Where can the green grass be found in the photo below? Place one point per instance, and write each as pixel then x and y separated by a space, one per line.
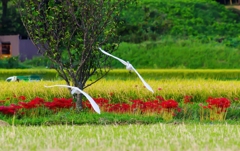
pixel 123 74
pixel 157 137
pixel 178 54
pixel 84 117
pixel 45 74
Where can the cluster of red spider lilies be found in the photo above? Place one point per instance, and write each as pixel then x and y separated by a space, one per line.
pixel 165 108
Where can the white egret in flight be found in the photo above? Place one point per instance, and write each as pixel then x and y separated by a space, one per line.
pixel 78 91
pixel 128 67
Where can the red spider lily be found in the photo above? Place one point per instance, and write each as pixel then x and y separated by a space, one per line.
pixel 179 109
pixel 137 104
pixel 59 103
pixel 86 104
pixel 217 108
pixel 169 104
pixel 101 101
pixel 113 108
pixel 137 101
pixel 125 108
pixel 118 108
pixel 33 103
pixel 22 98
pixel 151 106
pixel 50 105
pixel 221 103
pixel 17 107
pixel 160 98
pixel 187 99
pixel 9 110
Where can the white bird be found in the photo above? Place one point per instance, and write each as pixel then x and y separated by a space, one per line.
pixel 129 67
pixel 78 91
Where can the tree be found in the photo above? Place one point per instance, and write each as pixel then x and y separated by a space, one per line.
pixel 10 22
pixel 69 33
pixel 4 9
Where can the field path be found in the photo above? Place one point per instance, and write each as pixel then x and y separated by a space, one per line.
pixel 234 6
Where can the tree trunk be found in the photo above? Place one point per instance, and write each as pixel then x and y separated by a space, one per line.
pixel 230 2
pixel 79 105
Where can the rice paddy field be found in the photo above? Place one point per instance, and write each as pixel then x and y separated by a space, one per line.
pixel 157 137
pixel 152 135
pixel 122 90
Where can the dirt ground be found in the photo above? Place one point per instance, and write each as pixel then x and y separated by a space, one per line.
pixel 237 7
pixel 234 6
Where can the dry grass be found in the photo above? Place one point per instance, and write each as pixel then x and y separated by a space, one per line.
pixel 3 123
pixel 122 138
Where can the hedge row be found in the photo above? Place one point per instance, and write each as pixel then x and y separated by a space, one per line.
pixel 154 74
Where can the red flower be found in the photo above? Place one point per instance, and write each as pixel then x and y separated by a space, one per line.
pixel 111 93
pixel 151 106
pixel 9 110
pixel 187 99
pixel 59 103
pixel 169 104
pixel 220 103
pixel 33 103
pixel 101 101
pixel 160 98
pixel 22 98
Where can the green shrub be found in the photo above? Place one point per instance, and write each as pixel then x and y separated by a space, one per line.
pixel 38 62
pixel 11 63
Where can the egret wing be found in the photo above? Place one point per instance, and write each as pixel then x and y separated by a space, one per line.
pixel 122 61
pixel 144 82
pixel 75 91
pixel 92 102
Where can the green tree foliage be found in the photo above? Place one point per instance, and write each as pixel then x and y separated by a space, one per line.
pixel 10 21
pixel 183 18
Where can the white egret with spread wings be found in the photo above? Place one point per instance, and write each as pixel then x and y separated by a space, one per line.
pixel 129 67
pixel 78 91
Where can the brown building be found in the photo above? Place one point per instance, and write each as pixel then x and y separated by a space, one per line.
pixel 15 45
